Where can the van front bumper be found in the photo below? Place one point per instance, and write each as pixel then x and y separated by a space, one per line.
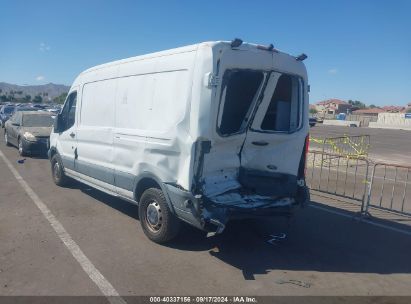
pixel 210 216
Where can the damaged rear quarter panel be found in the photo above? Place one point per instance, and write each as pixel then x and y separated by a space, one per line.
pixel 221 181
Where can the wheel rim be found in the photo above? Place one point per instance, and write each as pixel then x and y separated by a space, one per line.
pixel 56 171
pixel 154 218
pixel 5 137
pixel 20 147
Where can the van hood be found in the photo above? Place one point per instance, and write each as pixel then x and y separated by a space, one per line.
pixel 38 131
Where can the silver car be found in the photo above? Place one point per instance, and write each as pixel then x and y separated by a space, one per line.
pixel 29 131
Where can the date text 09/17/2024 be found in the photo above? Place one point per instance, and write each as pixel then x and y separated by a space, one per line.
pixel 204 299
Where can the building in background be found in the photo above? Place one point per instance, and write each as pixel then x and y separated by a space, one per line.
pixel 368 112
pixel 332 106
pixel 394 109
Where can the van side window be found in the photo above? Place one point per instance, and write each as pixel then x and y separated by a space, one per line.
pixel 240 88
pixel 283 113
pixel 69 111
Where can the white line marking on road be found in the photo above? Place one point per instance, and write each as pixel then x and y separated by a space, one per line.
pixel 361 219
pixel 106 288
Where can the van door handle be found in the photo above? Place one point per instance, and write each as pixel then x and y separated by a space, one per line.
pixel 260 143
pixel 72 135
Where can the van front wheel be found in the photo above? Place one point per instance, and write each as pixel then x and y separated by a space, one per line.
pixel 57 171
pixel 156 219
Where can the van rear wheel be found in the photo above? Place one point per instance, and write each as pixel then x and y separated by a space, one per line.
pixel 57 171
pixel 156 219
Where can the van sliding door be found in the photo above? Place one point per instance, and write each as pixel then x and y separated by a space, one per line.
pixel 95 133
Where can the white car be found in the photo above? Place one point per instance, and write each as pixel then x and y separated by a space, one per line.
pixel 202 134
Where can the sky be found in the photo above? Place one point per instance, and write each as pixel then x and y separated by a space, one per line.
pixel 359 50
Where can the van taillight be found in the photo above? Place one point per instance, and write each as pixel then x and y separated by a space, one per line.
pixel 302 169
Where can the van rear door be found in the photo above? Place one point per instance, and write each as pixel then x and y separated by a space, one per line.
pixel 261 139
pixel 274 143
pixel 239 94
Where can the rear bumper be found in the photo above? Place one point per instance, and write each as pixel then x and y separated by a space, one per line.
pixel 207 215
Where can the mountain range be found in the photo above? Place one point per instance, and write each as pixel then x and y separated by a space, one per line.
pixel 49 90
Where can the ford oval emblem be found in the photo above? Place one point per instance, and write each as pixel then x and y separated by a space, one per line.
pixel 272 167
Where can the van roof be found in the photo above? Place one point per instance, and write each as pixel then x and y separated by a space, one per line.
pixel 184 49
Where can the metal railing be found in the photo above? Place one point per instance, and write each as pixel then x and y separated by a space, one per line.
pixel 338 175
pixel 379 185
pixel 389 188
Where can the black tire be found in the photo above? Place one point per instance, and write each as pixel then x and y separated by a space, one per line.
pixel 57 171
pixel 20 147
pixel 167 225
pixel 6 140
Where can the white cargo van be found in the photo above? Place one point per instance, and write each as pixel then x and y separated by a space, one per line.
pixel 203 133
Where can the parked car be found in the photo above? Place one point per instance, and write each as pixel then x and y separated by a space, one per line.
pixel 5 113
pixel 29 131
pixel 25 108
pixel 312 121
pixel 201 134
pixel 54 110
pixel 39 107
